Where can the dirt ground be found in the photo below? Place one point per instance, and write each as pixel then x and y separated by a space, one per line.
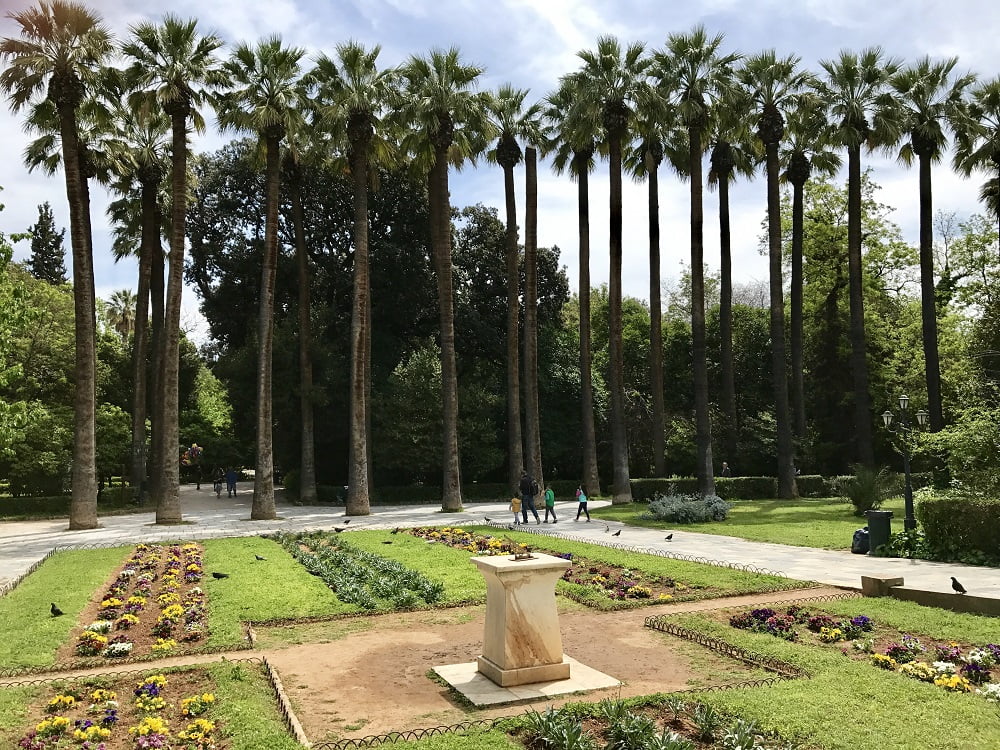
pixel 371 676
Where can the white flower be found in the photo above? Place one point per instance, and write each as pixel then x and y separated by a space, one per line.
pixel 981 656
pixel 990 692
pixel 101 626
pixel 944 667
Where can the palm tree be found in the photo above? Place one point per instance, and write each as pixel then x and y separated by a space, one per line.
pixel 509 117
pixel 572 134
pixel 863 113
pixel 695 75
pixel 60 51
pixel 772 83
pixel 805 150
pixel 120 311
pixel 931 98
pixel 448 125
pixel 612 84
pixel 354 96
pixel 978 144
pixel 733 153
pixel 264 99
pixel 532 424
pixel 171 67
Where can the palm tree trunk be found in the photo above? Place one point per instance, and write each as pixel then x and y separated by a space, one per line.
pixel 263 483
pixel 358 503
pixel 451 489
pixel 786 455
pixel 798 379
pixel 656 323
pixel 515 457
pixel 859 362
pixel 157 295
pixel 83 505
pixel 167 488
pixel 703 424
pixel 148 243
pixel 591 476
pixel 928 305
pixel 531 420
pixel 726 318
pixel 621 491
pixel 307 464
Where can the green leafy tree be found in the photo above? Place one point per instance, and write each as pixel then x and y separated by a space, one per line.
pixel 13 311
pixel 60 51
pixel 48 257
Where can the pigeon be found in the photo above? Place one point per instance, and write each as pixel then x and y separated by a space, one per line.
pixel 669 537
pixel 959 588
pixel 510 526
pixel 488 519
pixel 260 557
pixel 338 530
pixel 347 522
pixel 395 530
pixel 617 533
pixel 56 612
pixel 219 576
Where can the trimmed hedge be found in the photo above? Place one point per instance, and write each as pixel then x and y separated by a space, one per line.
pixel 112 498
pixel 960 526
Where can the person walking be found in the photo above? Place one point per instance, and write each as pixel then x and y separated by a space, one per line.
pixel 515 506
pixel 550 504
pixel 217 477
pixel 528 488
pixel 581 497
pixel 231 477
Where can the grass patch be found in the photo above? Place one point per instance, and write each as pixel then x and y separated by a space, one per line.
pixel 14 705
pixel 259 589
pixel 826 523
pixel 850 704
pixel 494 740
pixel 246 704
pixel 910 617
pixel 29 636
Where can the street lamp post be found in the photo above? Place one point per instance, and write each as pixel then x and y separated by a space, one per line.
pixel 903 429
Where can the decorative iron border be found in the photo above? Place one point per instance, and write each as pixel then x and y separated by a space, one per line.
pixel 377 740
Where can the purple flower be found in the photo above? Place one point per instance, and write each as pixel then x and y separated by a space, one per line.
pixel 975 673
pixel 862 622
pixel 762 614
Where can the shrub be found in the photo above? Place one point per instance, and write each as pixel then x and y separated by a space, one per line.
pixel 868 488
pixel 677 508
pixel 960 525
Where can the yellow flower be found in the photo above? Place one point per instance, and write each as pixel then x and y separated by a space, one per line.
pixel 60 702
pixel 92 733
pixel 150 725
pixel 163 645
pixel 665 598
pixel 159 680
pixel 100 695
pixel 110 603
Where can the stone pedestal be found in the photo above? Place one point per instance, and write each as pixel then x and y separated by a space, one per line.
pixel 522 643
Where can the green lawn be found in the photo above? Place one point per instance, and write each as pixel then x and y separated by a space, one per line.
pixel 850 704
pixel 246 703
pixel 827 523
pixel 14 706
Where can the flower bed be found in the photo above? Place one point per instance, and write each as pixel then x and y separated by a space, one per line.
pixel 960 668
pixel 172 710
pixel 152 607
pixel 588 581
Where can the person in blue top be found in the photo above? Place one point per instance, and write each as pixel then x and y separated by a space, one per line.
pixel 231 477
pixel 581 496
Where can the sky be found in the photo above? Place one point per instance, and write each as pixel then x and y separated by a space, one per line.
pixel 531 43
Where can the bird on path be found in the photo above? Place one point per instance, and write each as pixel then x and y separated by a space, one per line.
pixel 488 519
pixel 56 612
pixel 338 530
pixel 607 529
pixel 617 533
pixel 347 522
pixel 510 526
pixel 260 557
pixel 395 530
pixel 959 588
pixel 669 537
pixel 219 576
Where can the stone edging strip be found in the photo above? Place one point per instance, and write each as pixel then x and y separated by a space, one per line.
pixel 285 705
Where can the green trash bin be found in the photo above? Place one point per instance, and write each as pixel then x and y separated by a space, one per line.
pixel 879 528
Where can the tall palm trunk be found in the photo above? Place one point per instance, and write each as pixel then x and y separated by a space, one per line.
pixel 655 318
pixel 533 447
pixel 621 491
pixel 147 245
pixel 451 489
pixel 307 464
pixel 703 424
pixel 357 486
pixel 263 483
pixel 515 457
pixel 591 477
pixel 83 505
pixel 859 361
pixel 798 379
pixel 157 294
pixel 786 457
pixel 928 305
pixel 167 488
pixel 726 318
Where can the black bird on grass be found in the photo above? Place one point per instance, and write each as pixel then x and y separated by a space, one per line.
pixel 219 576
pixel 260 557
pixel 337 529
pixel 669 537
pixel 395 530
pixel 510 526
pixel 56 612
pixel 617 533
pixel 959 588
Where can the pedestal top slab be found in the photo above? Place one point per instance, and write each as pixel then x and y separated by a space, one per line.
pixel 500 564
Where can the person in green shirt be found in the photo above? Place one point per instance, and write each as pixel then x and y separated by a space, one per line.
pixel 550 504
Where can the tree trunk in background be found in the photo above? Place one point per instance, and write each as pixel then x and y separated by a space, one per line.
pixel 798 379
pixel 515 457
pixel 928 303
pixel 533 447
pixel 307 465
pixel 621 491
pixel 703 424
pixel 157 294
pixel 147 246
pixel 726 320
pixel 263 483
pixel 655 320
pixel 591 477
pixel 859 361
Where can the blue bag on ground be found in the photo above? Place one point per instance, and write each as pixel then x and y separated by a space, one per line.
pixel 859 544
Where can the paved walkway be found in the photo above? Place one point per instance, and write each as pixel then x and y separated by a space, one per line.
pixel 24 542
